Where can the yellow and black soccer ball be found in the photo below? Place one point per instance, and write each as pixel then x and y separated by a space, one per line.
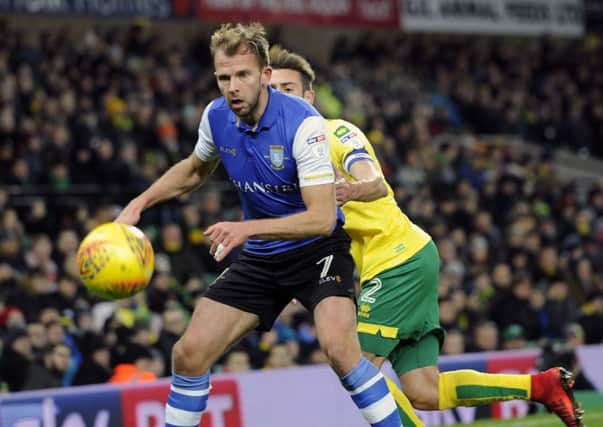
pixel 115 260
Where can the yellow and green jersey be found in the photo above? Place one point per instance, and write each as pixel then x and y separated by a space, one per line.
pixel 382 235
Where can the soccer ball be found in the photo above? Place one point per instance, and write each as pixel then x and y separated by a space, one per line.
pixel 115 260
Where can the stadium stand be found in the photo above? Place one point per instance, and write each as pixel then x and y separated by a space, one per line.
pixel 87 120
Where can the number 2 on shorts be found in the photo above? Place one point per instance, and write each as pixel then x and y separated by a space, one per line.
pixel 367 296
pixel 327 264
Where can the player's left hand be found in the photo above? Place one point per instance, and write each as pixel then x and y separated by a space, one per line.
pixel 225 236
pixel 343 188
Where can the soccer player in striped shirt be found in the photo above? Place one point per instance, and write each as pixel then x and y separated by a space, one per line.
pixel 274 149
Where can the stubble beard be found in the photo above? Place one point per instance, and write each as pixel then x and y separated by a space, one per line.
pixel 247 117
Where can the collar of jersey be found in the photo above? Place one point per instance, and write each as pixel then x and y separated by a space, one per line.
pixel 267 119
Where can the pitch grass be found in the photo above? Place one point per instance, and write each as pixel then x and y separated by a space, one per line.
pixel 592 418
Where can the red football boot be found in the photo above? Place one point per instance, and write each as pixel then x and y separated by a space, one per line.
pixel 553 388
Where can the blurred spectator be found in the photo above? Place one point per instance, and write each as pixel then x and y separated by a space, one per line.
pixel 560 307
pixel 236 360
pixel 454 342
pixel 39 341
pixel 96 365
pixel 591 318
pixel 183 263
pixel 136 368
pixel 51 372
pixel 485 337
pixel 279 357
pixel 173 326
pixel 513 338
pixel 573 335
pixel 564 354
pixel 17 357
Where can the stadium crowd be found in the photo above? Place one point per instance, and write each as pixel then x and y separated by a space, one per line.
pixel 88 120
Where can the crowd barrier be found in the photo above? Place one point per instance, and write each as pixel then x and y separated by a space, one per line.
pixel 298 397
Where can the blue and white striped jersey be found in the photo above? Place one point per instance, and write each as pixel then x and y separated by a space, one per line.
pixel 269 163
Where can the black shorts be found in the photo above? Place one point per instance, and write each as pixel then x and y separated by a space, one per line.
pixel 264 285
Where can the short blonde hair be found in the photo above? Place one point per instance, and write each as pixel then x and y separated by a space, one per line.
pixel 231 37
pixel 283 58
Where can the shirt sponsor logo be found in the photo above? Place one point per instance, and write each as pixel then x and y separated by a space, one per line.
pixel 262 187
pixel 316 138
pixel 341 131
pixel 277 157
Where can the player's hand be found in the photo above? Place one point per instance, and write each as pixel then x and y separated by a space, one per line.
pixel 225 236
pixel 131 213
pixel 343 188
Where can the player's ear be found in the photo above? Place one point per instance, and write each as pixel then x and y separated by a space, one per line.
pixel 309 95
pixel 266 74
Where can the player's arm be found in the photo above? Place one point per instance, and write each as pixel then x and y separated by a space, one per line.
pixel 183 177
pixel 317 220
pixel 369 184
pixel 316 178
pixel 349 147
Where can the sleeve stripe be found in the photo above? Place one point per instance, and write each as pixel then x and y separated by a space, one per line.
pixel 318 176
pixel 351 159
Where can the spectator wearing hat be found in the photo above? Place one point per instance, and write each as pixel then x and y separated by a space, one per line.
pixel 513 338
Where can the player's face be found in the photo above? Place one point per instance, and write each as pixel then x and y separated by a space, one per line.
pixel 241 80
pixel 290 81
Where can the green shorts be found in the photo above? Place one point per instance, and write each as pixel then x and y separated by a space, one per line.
pixel 398 312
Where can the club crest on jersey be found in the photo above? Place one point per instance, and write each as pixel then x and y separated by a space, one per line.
pixel 277 157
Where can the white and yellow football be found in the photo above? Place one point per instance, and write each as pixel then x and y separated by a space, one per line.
pixel 115 260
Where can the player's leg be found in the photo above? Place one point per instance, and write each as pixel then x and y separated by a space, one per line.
pixel 195 352
pixel 428 389
pixel 336 330
pixel 405 410
pixel 239 300
pixel 415 361
pixel 328 292
pixel 396 308
pixel 415 358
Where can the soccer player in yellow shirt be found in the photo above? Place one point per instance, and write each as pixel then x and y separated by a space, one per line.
pixel 398 316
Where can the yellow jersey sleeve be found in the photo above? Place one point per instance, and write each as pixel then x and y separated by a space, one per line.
pixel 347 145
pixel 382 235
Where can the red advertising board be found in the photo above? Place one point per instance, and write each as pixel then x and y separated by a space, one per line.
pixel 370 13
pixel 144 406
